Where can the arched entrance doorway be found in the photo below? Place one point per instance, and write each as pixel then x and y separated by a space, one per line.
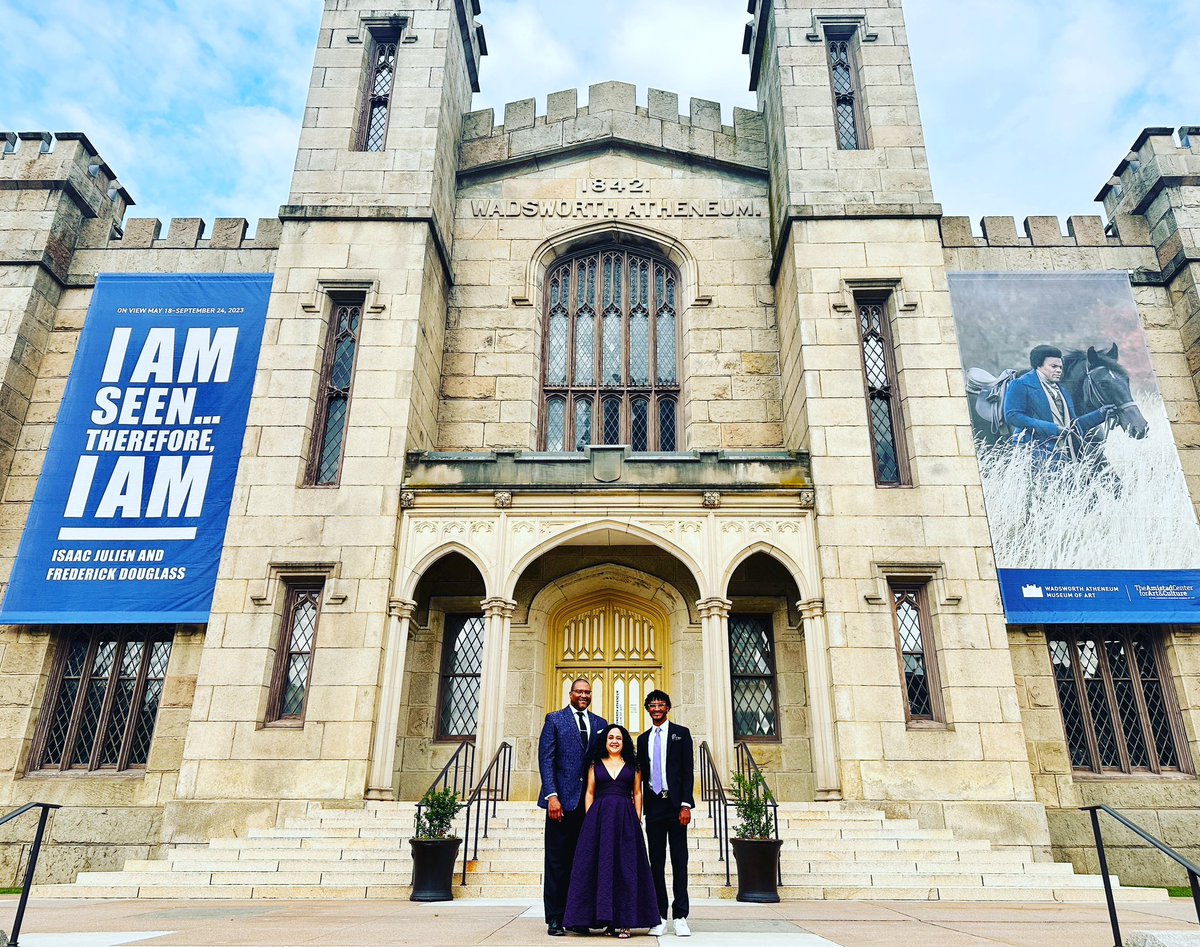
pixel 617 642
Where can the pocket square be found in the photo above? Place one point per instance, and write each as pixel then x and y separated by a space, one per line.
pixel 676 736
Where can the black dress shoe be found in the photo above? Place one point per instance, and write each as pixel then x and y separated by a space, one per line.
pixel 556 929
pixel 580 929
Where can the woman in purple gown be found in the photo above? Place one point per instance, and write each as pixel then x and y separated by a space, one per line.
pixel 611 885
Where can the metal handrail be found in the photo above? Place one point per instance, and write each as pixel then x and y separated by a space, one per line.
pixel 712 792
pixel 747 767
pixel 462 763
pixel 1192 871
pixel 493 787
pixel 33 857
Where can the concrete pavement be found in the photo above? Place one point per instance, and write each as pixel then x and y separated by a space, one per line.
pixel 110 923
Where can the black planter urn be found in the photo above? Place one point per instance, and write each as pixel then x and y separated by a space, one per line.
pixel 757 869
pixel 433 868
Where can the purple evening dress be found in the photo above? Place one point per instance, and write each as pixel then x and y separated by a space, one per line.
pixel 611 884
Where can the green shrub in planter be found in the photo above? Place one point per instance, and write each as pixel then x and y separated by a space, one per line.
pixel 438 809
pixel 750 797
pixel 755 848
pixel 434 849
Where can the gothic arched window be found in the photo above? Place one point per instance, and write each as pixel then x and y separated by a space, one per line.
pixel 611 352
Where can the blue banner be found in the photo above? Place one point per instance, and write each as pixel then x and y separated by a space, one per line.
pixel 128 519
pixel 1087 596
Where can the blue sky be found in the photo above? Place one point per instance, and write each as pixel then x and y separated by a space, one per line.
pixel 196 103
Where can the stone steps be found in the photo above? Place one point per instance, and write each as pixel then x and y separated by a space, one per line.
pixel 830 851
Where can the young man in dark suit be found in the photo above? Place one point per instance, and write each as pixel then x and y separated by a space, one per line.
pixel 666 759
pixel 567 739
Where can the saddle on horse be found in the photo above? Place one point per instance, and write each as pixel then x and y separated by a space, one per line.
pixel 987 392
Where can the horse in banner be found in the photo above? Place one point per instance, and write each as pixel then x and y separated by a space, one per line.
pixel 1093 380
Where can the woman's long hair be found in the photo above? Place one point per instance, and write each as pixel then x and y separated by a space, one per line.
pixel 628 750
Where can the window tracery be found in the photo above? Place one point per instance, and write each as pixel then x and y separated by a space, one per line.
pixel 611 353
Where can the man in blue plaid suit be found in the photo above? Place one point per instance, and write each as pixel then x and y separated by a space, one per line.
pixel 567 739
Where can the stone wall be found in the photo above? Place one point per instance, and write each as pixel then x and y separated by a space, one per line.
pixel 1164 805
pixel 106 817
pixel 712 224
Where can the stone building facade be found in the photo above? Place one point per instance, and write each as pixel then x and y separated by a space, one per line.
pixel 692 501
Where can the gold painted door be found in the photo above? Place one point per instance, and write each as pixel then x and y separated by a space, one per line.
pixel 617 643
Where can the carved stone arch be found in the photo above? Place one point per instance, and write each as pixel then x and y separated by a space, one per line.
pixel 802 579
pixel 567 533
pixel 414 573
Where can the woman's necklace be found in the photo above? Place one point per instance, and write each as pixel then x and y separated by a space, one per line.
pixel 613 774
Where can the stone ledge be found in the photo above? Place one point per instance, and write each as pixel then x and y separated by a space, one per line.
pixel 606 468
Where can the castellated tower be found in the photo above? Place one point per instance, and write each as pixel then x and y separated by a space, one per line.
pixel 860 289
pixel 55 194
pixel 361 280
pixel 1160 181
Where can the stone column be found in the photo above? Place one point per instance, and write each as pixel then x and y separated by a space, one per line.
pixel 714 625
pixel 387 711
pixel 820 701
pixel 493 679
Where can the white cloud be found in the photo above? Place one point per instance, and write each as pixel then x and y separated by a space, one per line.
pixel 197 105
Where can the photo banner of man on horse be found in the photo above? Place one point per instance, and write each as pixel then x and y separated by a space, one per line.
pixel 1086 500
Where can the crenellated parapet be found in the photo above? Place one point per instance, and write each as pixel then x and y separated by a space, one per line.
pixel 1080 231
pixel 1157 160
pixel 613 116
pixel 188 233
pixel 62 161
pixel 1159 181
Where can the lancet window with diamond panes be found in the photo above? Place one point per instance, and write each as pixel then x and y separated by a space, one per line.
pixel 611 353
pixel 103 699
pixel 377 92
pixel 752 676
pixel 333 404
pixel 462 661
pixel 883 395
pixel 843 78
pixel 914 642
pixel 294 656
pixel 1117 714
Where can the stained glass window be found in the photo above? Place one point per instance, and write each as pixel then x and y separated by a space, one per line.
pixel 842 70
pixel 883 399
pixel 377 93
pixel 921 691
pixel 103 698
pixel 462 661
pixel 611 347
pixel 752 676
pixel 1117 714
pixel 914 642
pixel 333 399
pixel 294 656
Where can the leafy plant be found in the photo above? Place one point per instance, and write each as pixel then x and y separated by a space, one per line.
pixel 751 801
pixel 436 814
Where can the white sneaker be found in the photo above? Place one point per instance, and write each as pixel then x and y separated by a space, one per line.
pixel 658 929
pixel 681 928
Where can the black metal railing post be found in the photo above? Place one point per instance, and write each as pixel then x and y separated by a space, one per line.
pixel 1108 892
pixel 484 802
pixel 456 774
pixel 1194 881
pixel 1192 870
pixel 712 792
pixel 34 850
